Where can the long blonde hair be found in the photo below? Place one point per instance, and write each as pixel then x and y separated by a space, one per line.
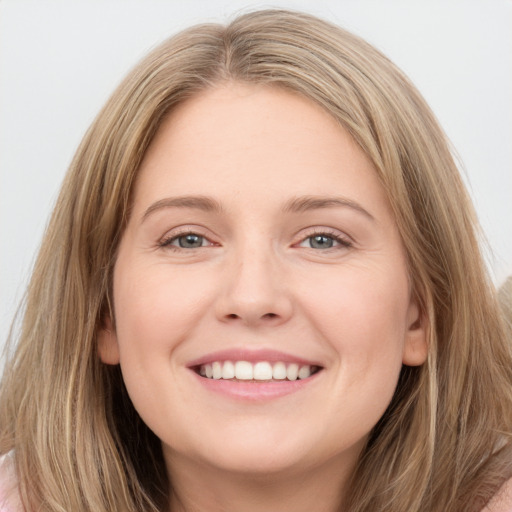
pixel 442 445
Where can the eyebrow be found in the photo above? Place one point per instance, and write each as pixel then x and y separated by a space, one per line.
pixel 206 204
pixel 295 205
pixel 306 203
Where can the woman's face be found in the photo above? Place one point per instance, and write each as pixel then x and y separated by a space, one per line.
pixel 260 244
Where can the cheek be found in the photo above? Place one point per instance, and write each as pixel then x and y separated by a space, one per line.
pixel 156 308
pixel 359 314
pixel 362 317
pixel 363 297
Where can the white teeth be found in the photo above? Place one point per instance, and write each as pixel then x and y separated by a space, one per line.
pixel 217 370
pixel 243 370
pixel 292 371
pixel 279 371
pixel 263 371
pixel 228 370
pixel 304 372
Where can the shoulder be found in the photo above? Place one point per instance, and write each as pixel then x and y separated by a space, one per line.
pixel 9 499
pixel 502 500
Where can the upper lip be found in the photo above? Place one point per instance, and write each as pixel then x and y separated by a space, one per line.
pixel 252 356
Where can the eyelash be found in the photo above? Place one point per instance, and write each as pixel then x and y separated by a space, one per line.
pixel 342 241
pixel 166 242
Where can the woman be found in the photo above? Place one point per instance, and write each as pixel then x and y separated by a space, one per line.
pixel 261 290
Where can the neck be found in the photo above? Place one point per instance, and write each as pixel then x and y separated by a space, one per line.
pixel 197 487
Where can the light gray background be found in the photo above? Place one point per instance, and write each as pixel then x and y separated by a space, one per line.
pixel 59 61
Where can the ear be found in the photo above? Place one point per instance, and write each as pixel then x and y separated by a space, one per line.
pixel 108 348
pixel 415 347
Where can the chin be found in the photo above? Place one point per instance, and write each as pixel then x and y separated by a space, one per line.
pixel 253 453
pixel 256 463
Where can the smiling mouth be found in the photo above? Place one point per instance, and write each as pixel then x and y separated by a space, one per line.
pixel 261 371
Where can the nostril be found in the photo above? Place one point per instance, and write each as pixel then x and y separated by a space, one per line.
pixel 269 315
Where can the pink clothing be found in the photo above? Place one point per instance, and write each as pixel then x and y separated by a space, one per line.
pixel 9 498
pixel 502 500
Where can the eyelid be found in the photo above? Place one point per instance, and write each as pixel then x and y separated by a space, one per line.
pixel 339 236
pixel 174 233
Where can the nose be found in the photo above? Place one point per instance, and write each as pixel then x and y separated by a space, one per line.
pixel 254 291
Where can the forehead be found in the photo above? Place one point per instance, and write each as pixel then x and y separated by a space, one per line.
pixel 240 138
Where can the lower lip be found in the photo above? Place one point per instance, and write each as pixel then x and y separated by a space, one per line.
pixel 256 391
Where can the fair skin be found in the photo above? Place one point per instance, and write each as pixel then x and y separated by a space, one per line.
pixel 295 249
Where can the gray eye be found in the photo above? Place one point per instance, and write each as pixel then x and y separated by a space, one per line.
pixel 321 242
pixel 190 241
